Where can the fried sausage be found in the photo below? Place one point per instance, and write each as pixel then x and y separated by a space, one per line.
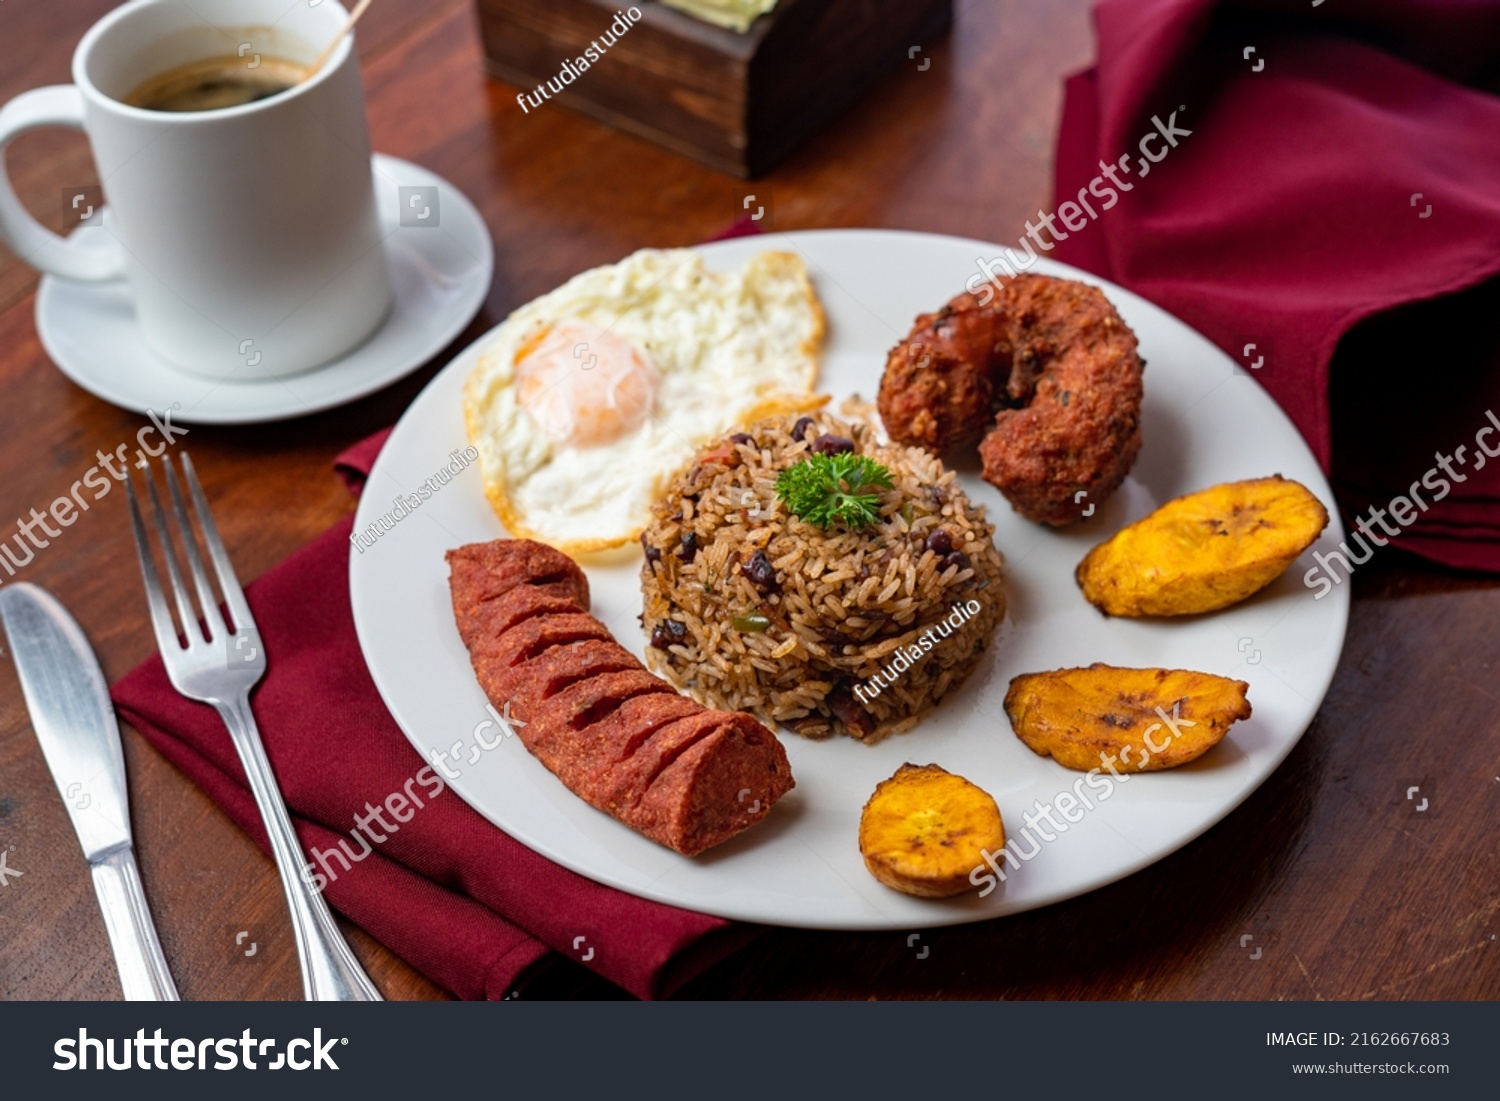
pixel 618 737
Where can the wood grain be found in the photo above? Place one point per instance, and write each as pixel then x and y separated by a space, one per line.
pixel 737 102
pixel 1348 890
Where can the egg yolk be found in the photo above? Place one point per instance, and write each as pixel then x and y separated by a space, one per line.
pixel 583 385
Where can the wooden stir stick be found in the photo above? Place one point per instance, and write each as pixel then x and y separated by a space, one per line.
pixel 333 43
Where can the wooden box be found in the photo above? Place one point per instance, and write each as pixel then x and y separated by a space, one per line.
pixel 738 102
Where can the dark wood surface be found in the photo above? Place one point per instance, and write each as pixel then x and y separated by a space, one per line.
pixel 1348 891
pixel 737 102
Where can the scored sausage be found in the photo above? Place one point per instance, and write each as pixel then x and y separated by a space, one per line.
pixel 618 737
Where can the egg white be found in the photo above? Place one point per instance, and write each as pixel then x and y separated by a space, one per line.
pixel 730 347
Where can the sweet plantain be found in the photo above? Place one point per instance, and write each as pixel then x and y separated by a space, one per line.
pixel 1205 551
pixel 1124 720
pixel 925 829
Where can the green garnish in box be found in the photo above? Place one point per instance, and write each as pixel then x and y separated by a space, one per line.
pixel 737 15
pixel 824 488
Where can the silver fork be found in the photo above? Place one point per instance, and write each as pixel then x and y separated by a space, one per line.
pixel 220 671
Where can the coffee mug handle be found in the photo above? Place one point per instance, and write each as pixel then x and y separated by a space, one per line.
pixel 59 105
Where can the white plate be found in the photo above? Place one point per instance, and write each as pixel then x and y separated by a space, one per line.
pixel 440 276
pixel 1205 422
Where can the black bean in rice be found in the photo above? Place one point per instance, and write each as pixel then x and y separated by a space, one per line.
pixel 838 605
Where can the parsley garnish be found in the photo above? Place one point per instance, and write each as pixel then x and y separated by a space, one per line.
pixel 824 488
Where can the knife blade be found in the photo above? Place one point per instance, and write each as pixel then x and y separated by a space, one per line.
pixel 75 724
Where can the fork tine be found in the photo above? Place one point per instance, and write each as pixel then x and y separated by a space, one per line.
pixel 206 598
pixel 190 626
pixel 234 597
pixel 161 616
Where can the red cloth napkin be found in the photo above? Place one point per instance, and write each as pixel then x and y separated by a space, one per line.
pixel 1295 216
pixel 465 904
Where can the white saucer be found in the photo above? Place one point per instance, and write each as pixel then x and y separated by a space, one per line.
pixel 440 274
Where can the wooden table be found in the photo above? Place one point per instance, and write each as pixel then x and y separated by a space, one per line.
pixel 1348 891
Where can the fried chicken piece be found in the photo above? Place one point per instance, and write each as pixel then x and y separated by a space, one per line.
pixel 1047 374
pixel 939 389
pixel 1077 377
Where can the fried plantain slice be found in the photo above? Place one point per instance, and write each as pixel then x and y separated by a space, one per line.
pixel 1124 720
pixel 1205 551
pixel 925 829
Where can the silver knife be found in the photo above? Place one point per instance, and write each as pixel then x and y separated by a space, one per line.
pixel 75 724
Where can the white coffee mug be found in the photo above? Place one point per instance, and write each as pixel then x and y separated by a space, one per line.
pixel 249 234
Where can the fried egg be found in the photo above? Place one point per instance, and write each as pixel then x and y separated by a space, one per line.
pixel 588 399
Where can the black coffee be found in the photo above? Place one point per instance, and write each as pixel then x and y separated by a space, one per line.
pixel 216 83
